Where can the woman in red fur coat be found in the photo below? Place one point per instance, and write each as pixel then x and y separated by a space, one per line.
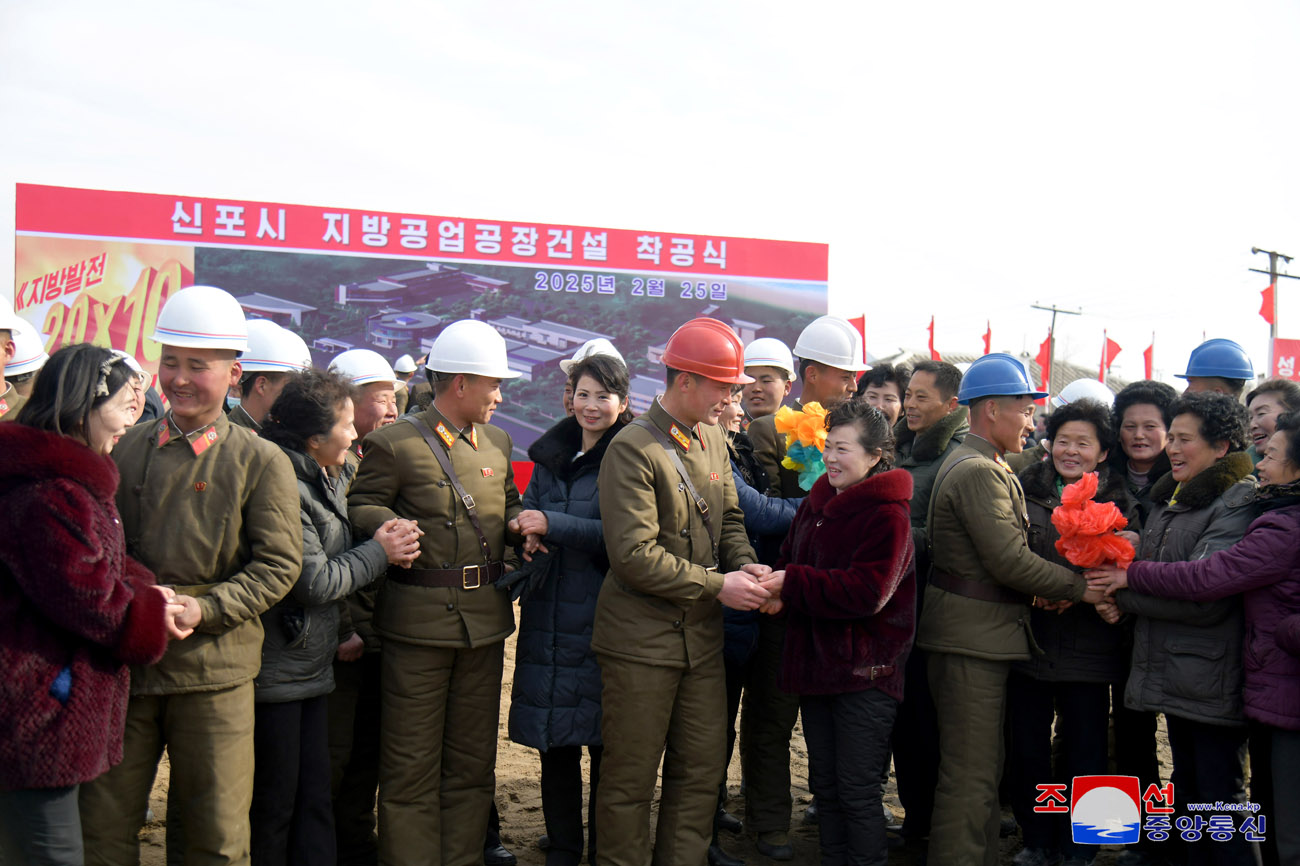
pixel 849 590
pixel 75 610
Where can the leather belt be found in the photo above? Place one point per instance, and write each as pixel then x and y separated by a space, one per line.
pixel 976 589
pixel 875 672
pixel 464 577
pixel 198 590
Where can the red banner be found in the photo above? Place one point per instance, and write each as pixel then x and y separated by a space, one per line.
pixel 192 220
pixel 1285 355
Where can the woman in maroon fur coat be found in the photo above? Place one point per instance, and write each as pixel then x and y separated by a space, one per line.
pixel 74 608
pixel 849 590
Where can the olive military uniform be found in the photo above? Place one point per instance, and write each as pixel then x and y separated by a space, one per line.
pixel 768 714
pixel 658 638
pixel 402 393
pixel 443 646
pixel 240 418
pixel 10 402
pixel 974 624
pixel 769 450
pixel 216 516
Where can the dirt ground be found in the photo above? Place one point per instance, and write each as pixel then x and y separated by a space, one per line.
pixel 520 802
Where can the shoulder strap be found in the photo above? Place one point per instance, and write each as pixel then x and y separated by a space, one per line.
pixel 444 460
pixel 934 491
pixel 700 502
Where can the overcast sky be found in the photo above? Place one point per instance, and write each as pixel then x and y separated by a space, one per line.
pixel 961 159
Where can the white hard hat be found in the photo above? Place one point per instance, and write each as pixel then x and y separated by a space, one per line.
pixel 132 363
pixel 832 341
pixel 1084 389
pixel 11 321
pixel 29 354
pixel 202 317
pixel 272 348
pixel 598 346
pixel 363 366
pixel 404 364
pixel 470 346
pixel 769 352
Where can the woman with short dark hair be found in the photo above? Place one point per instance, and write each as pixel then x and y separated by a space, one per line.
pixel 1187 655
pixel 75 610
pixel 1141 421
pixel 1265 568
pixel 292 818
pixel 847 581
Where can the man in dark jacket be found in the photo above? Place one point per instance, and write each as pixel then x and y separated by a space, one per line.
pixel 982 579
pixel 932 426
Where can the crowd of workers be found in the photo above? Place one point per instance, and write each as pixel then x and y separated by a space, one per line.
pixel 304 594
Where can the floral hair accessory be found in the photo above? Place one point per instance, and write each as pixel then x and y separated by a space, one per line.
pixel 101 387
pixel 805 438
pixel 1088 527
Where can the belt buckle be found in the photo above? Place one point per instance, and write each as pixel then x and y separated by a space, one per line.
pixel 878 671
pixel 478 577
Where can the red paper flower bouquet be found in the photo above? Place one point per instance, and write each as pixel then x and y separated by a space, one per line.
pixel 1088 527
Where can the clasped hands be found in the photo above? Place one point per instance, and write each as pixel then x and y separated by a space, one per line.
pixel 1107 580
pixel 1103 582
pixel 533 526
pixel 401 540
pixel 182 613
pixel 753 587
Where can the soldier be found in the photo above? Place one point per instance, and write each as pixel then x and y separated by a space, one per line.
pixel 830 359
pixel 769 363
pixel 830 353
pixel 404 367
pixel 354 703
pixel 676 541
pixel 273 353
pixel 212 510
pixel 443 623
pixel 975 620
pixel 10 400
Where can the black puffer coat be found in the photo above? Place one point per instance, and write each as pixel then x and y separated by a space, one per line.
pixel 1078 646
pixel 555 700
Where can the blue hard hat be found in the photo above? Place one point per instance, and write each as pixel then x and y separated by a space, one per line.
pixel 1220 358
pixel 996 375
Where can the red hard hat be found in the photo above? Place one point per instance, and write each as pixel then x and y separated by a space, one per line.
pixel 707 348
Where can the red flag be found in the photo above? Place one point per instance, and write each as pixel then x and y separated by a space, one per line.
pixel 859 324
pixel 1149 355
pixel 1109 350
pixel 1266 306
pixel 988 337
pixel 1044 360
pixel 934 355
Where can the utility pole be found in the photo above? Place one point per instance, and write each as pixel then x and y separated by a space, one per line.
pixel 1051 336
pixel 1273 256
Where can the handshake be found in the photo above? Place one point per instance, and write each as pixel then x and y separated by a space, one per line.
pixel 1103 582
pixel 753 587
pixel 1107 580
